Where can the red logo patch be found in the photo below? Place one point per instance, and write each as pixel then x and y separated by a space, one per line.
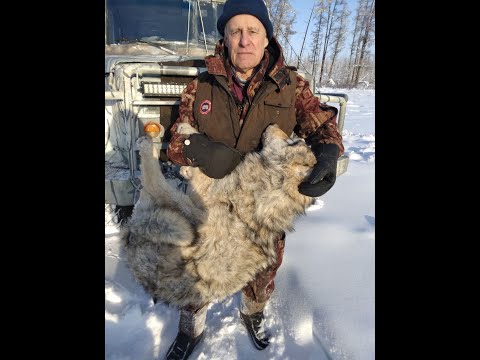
pixel 205 107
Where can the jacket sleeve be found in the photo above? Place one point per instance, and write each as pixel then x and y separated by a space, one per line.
pixel 185 115
pixel 315 120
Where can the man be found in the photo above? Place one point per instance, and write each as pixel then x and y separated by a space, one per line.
pixel 246 87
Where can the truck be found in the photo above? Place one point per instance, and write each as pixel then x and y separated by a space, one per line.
pixel 153 49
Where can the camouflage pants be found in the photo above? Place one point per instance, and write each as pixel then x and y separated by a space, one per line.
pixel 257 292
pixel 255 296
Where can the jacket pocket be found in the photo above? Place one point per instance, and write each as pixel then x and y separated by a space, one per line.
pixel 280 113
pixel 276 104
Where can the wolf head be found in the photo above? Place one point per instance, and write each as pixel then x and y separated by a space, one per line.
pixel 279 148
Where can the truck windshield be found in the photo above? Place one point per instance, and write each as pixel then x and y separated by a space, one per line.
pixel 173 24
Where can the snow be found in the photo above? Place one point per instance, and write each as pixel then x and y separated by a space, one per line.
pixel 323 306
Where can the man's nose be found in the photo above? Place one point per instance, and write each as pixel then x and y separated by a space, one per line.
pixel 244 38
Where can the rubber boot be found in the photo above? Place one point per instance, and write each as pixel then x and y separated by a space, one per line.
pixel 190 332
pixel 252 317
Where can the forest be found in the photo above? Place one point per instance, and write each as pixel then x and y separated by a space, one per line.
pixel 338 41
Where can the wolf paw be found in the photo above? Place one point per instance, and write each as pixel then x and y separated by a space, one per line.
pixel 144 145
pixel 186 129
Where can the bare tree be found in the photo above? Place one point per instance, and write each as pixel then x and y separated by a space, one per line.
pixel 369 24
pixel 305 35
pixel 365 19
pixel 277 16
pixel 355 39
pixel 329 21
pixel 317 35
pixel 330 13
pixel 290 17
pixel 271 5
pixel 283 17
pixel 338 33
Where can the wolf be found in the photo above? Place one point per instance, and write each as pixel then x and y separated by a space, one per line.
pixel 193 248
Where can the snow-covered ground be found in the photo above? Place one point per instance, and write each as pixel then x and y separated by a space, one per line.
pixel 323 306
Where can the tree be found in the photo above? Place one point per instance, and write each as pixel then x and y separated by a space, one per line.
pixel 355 41
pixel 305 36
pixel 364 24
pixel 369 24
pixel 283 17
pixel 317 35
pixel 338 33
pixel 330 16
pixel 329 22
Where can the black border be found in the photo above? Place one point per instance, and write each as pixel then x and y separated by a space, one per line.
pixel 53 183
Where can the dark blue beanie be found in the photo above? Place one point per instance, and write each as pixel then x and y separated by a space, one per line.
pixel 255 8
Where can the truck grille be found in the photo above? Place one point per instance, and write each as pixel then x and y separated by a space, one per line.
pixel 161 89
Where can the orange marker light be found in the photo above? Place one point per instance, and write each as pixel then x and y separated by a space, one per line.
pixel 152 129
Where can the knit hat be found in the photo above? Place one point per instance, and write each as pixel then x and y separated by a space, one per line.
pixel 255 8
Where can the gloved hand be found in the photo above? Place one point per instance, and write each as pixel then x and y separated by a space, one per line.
pixel 324 172
pixel 213 158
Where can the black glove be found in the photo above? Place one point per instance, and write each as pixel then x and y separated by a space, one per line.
pixel 214 158
pixel 324 172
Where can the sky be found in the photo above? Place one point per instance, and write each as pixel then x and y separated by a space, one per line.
pixel 303 9
pixel 323 306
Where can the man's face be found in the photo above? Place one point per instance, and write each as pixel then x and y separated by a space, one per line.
pixel 246 40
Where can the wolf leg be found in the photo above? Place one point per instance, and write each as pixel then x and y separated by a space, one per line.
pixel 152 178
pixel 157 187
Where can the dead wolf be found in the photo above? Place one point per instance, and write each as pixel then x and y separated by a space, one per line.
pixel 189 249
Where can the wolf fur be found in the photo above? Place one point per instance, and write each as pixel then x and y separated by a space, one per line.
pixel 189 249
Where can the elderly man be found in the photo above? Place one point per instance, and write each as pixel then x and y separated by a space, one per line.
pixel 247 87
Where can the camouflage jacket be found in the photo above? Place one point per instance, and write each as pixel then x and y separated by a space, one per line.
pixel 315 121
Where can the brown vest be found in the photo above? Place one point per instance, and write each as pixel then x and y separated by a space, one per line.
pixel 217 116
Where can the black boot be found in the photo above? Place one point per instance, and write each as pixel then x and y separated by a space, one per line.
pixel 182 347
pixel 253 323
pixel 190 331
